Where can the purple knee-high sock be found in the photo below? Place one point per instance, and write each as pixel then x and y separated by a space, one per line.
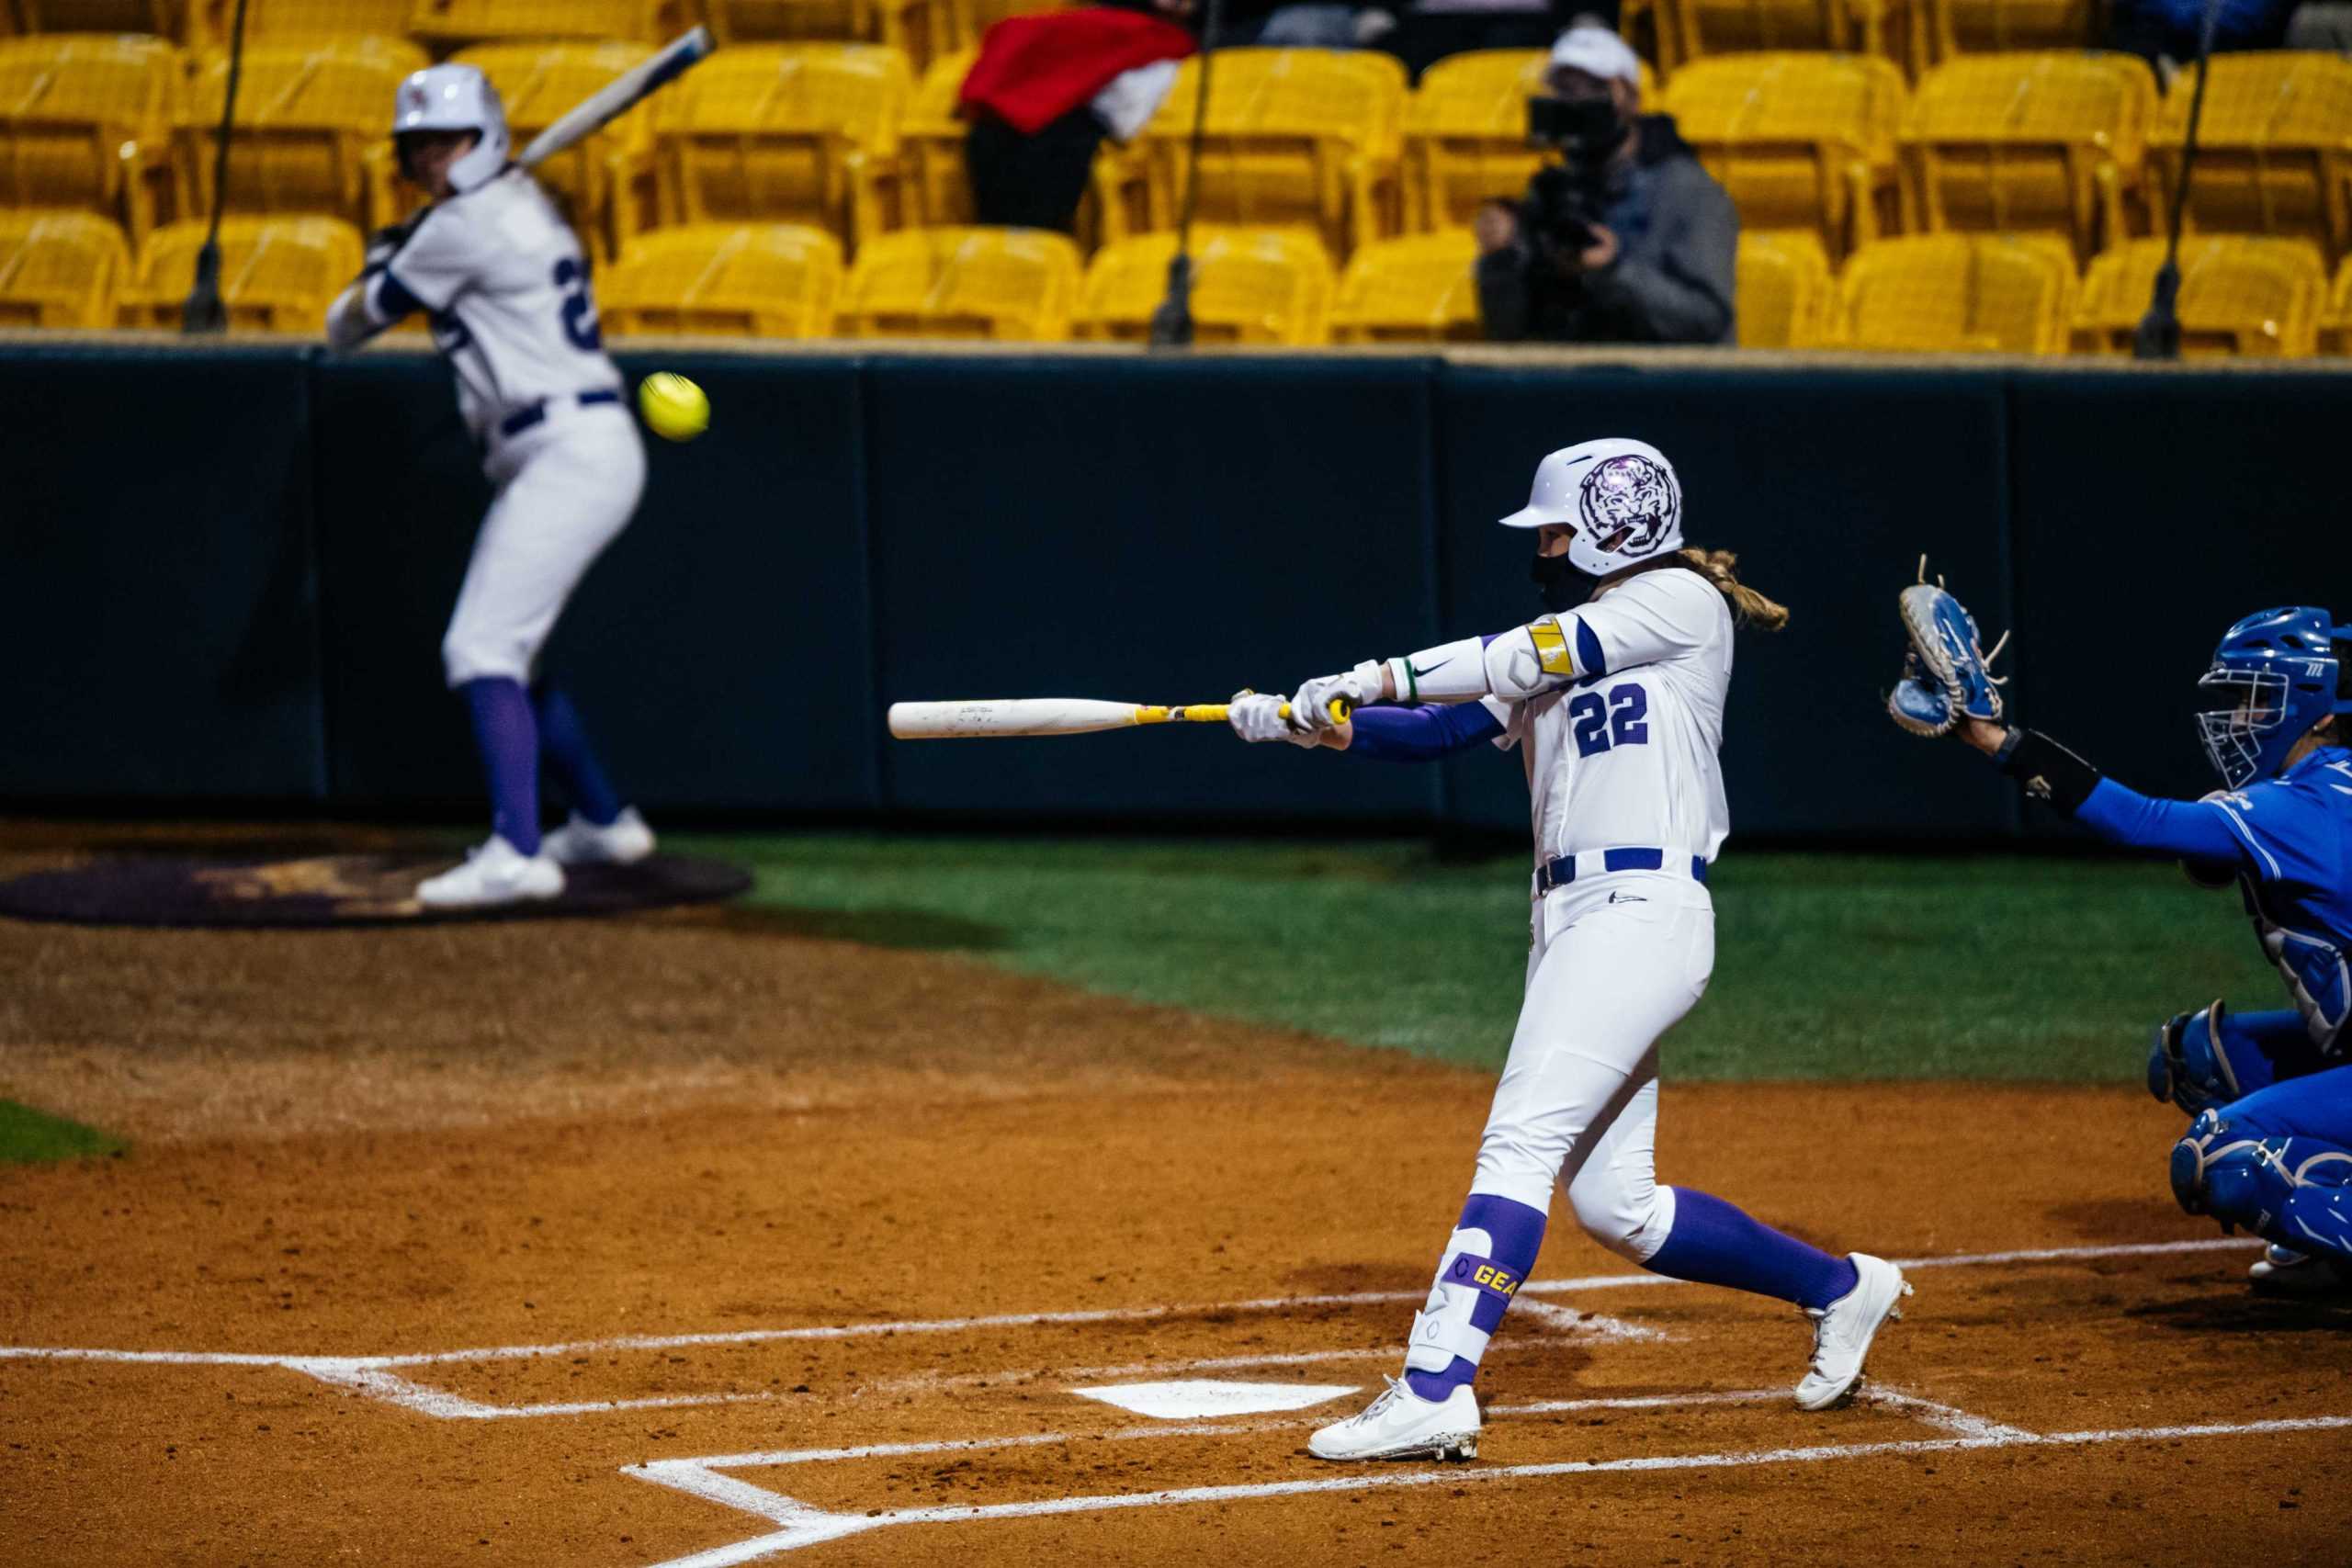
pixel 1516 1235
pixel 565 743
pixel 508 739
pixel 1716 1244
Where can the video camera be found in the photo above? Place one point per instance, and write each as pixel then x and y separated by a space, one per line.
pixel 1566 196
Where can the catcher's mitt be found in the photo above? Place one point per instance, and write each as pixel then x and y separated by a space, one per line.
pixel 1945 677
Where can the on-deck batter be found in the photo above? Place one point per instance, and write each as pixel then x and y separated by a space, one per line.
pixel 506 288
pixel 1616 708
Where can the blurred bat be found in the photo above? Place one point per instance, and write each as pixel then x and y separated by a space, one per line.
pixel 607 104
pixel 1046 716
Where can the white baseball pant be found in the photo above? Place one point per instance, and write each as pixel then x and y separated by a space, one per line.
pixel 566 489
pixel 1617 962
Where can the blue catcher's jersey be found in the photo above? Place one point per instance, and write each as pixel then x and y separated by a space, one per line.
pixel 2296 874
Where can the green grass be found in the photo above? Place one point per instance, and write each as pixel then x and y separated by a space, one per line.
pixel 1827 966
pixel 28 1135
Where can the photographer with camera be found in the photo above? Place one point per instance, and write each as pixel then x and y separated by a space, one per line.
pixel 1624 238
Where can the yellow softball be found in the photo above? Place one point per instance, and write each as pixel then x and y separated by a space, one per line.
pixel 673 407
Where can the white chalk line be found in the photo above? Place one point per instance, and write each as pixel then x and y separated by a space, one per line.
pixel 801 1526
pixel 343 1372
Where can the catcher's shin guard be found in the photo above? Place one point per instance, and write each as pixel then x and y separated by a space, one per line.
pixel 2290 1190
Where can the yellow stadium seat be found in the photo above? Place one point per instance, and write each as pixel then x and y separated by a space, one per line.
pixel 1983 27
pixel 2253 298
pixel 776 280
pixel 1294 138
pixel 1783 293
pixel 59 269
pixel 1687 29
pixel 606 180
pixel 925 29
pixel 931 143
pixel 2335 327
pixel 1934 293
pixel 1013 285
pixel 313 130
pixel 1801 140
pixel 1420 288
pixel 2029 143
pixel 2274 153
pixel 1250 286
pixel 802 134
pixel 275 21
pixel 278 274
pixel 85 125
pixel 454 24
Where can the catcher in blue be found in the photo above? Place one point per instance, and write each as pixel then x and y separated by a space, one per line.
pixel 2269 1147
pixel 506 286
pixel 1615 703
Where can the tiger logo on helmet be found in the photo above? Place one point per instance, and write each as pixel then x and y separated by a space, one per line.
pixel 1630 504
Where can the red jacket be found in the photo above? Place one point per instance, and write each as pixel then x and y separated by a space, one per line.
pixel 1033 70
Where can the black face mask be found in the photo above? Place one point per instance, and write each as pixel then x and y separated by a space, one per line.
pixel 1561 584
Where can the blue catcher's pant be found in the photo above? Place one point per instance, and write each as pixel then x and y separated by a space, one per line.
pixel 2278 1162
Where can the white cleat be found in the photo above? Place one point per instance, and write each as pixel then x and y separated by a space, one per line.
pixel 1400 1424
pixel 625 840
pixel 2283 1271
pixel 494 875
pixel 1843 1330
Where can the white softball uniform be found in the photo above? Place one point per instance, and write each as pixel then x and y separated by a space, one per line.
pixel 1619 735
pixel 507 288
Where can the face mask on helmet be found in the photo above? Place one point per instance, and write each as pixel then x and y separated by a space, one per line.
pixel 1562 587
pixel 2274 676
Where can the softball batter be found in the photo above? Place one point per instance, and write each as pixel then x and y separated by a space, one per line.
pixel 1616 708
pixel 506 286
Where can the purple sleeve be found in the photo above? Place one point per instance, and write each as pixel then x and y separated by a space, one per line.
pixel 1421 734
pixel 2196 829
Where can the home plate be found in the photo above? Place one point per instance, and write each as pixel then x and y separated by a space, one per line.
pixel 1195 1397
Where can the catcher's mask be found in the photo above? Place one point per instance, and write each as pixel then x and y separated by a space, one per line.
pixel 1621 497
pixel 2276 673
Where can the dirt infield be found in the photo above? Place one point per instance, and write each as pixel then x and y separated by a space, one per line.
pixel 693 1239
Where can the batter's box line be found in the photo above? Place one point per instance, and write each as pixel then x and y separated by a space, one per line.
pixel 374 1377
pixel 799 1525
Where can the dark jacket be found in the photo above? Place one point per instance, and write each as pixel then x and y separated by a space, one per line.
pixel 1677 239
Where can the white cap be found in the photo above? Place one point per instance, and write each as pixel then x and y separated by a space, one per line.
pixel 456 97
pixel 1597 52
pixel 1620 496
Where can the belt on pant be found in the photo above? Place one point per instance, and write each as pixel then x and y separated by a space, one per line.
pixel 1566 869
pixel 529 414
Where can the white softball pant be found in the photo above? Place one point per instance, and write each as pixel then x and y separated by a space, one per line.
pixel 1617 962
pixel 566 489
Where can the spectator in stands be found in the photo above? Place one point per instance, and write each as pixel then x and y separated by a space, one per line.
pixel 1626 239
pixel 1046 90
pixel 2321 25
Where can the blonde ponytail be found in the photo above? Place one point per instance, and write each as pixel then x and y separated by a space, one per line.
pixel 1749 607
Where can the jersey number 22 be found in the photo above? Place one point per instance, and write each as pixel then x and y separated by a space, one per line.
pixel 580 328
pixel 1620 719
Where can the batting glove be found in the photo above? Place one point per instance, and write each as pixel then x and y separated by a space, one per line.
pixel 1360 687
pixel 1258 719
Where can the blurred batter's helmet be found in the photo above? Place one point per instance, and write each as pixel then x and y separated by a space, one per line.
pixel 456 97
pixel 1620 496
